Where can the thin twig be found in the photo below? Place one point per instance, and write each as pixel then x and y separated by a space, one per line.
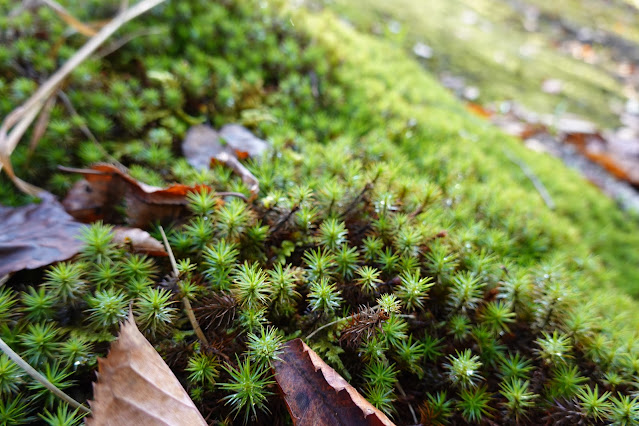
pixel 545 195
pixel 231 161
pixel 284 220
pixel 70 19
pixel 40 378
pixel 19 120
pixel 337 321
pixel 357 199
pixel 117 44
pixel 232 194
pixel 41 125
pixel 410 407
pixel 185 300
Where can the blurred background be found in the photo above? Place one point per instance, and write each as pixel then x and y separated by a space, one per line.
pixel 561 75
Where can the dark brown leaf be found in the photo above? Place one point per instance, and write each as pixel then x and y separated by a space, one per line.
pixel 105 187
pixel 36 235
pixel 136 387
pixel 316 395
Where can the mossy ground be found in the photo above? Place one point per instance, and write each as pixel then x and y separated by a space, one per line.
pixel 470 51
pixel 366 142
pixel 485 42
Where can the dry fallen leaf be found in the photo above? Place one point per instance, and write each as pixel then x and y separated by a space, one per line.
pixel 136 387
pixel 202 147
pixel 40 234
pixel 240 139
pixel 105 187
pixel 316 395
pixel 136 240
pixel 36 235
pixel 478 110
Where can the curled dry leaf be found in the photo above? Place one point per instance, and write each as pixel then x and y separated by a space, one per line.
pixel 136 240
pixel 316 395
pixel 36 235
pixel 242 141
pixel 136 387
pixel 202 147
pixel 105 187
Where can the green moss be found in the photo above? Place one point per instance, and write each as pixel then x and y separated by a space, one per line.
pixel 485 42
pixel 387 213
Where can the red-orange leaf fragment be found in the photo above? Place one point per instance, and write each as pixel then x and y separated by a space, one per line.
pixel 316 395
pixel 36 235
pixel 136 387
pixel 105 187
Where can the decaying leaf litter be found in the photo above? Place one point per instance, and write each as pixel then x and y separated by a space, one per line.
pixel 180 279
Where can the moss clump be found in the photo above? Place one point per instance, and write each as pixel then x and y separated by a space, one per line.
pixel 385 214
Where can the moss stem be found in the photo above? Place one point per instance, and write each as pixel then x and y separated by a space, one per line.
pixel 185 300
pixel 40 378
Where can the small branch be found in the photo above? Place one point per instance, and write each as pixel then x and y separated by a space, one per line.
pixel 232 194
pixel 285 219
pixel 357 199
pixel 117 44
pixel 337 321
pixel 410 407
pixel 185 300
pixel 230 161
pixel 40 378
pixel 70 19
pixel 545 195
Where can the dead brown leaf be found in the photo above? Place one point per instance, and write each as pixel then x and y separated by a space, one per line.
pixel 136 387
pixel 316 395
pixel 478 110
pixel 40 234
pixel 136 240
pixel 105 187
pixel 36 235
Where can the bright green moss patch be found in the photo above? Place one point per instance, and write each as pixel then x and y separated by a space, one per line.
pixel 437 134
pixel 386 213
pixel 485 42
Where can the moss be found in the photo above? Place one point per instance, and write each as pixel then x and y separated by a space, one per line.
pixel 485 42
pixel 387 213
